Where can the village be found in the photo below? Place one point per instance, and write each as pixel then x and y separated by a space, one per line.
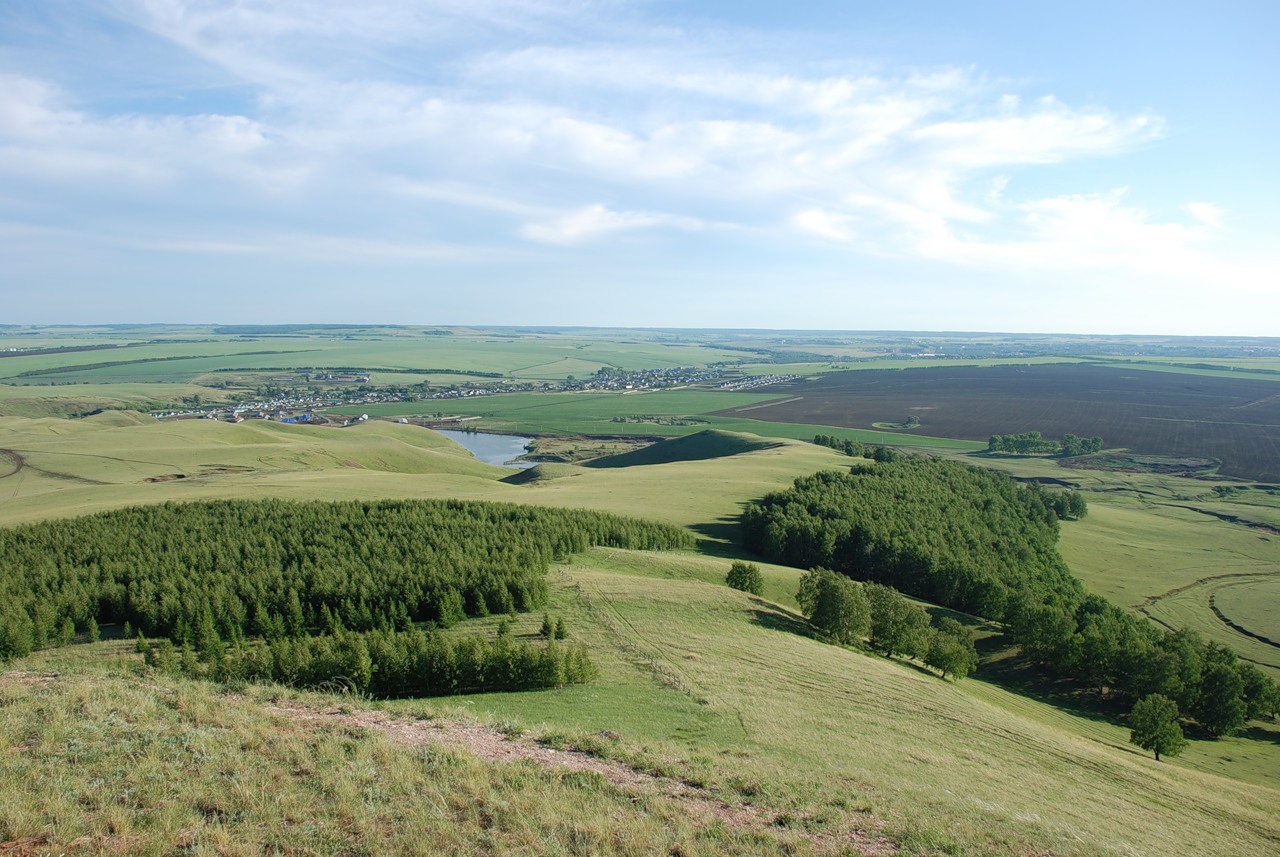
pixel 287 404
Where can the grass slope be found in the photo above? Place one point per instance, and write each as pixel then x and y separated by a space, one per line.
pixel 722 679
pixel 164 766
pixel 710 683
pixel 699 682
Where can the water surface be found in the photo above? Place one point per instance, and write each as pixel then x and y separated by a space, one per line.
pixel 499 449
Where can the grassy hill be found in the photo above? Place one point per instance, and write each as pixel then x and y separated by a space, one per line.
pixel 781 743
pixel 701 446
pixel 743 734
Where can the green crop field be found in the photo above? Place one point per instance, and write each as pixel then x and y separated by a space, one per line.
pixel 531 357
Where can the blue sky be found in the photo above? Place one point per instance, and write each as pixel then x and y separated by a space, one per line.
pixel 1083 167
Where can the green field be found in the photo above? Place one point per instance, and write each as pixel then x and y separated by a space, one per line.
pixel 763 740
pixel 529 357
pixel 1249 604
pixel 593 413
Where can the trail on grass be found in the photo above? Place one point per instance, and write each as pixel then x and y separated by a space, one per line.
pixel 492 745
pixel 1235 578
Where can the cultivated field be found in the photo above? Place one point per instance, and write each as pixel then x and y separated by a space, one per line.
pixel 1234 420
pixel 528 355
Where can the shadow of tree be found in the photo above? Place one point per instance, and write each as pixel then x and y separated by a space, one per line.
pixel 767 615
pixel 1260 733
pixel 1003 670
pixel 719 534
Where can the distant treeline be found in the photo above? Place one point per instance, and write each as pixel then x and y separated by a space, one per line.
pixel 975 540
pixel 848 447
pixel 1031 443
pixel 277 568
pixel 250 329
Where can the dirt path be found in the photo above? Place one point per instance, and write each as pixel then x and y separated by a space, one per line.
pixel 20 463
pixel 16 459
pixel 491 745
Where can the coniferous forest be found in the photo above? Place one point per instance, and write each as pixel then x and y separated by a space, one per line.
pixel 323 587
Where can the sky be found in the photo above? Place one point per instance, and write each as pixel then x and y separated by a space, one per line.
pixel 1091 167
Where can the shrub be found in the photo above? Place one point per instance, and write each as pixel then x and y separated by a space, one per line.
pixel 746 577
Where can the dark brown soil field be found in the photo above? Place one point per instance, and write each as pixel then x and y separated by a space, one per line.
pixel 1157 413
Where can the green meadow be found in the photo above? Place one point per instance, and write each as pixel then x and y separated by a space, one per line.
pixel 767 740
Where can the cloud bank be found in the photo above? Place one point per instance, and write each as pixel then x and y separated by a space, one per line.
pixel 495 133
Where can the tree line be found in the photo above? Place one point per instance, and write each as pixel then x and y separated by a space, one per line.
pixel 280 569
pixel 848 447
pixel 968 538
pixel 1031 443
pixel 850 613
pixel 385 664
pixel 977 541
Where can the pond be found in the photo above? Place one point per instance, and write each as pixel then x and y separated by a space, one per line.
pixel 500 449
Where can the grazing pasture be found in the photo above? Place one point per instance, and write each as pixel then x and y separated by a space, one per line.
pixel 1234 420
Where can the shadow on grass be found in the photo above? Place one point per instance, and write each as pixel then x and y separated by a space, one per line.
pixel 1260 733
pixel 998 666
pixel 726 530
pixel 720 537
pixel 766 615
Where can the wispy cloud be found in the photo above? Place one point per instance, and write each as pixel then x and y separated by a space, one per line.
pixel 416 130
pixel 596 220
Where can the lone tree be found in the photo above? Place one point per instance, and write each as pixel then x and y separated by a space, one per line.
pixel 835 605
pixel 1155 726
pixel 745 576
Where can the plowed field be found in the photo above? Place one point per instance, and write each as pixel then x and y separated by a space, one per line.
pixel 1158 413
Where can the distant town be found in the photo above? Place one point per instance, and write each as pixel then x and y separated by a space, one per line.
pixel 295 399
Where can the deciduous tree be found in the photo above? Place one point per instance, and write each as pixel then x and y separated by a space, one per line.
pixel 951 650
pixel 1155 726
pixel 897 625
pixel 835 605
pixel 746 577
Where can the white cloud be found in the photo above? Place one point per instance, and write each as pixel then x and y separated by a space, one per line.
pixel 1206 213
pixel 596 220
pixel 825 224
pixel 468 122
